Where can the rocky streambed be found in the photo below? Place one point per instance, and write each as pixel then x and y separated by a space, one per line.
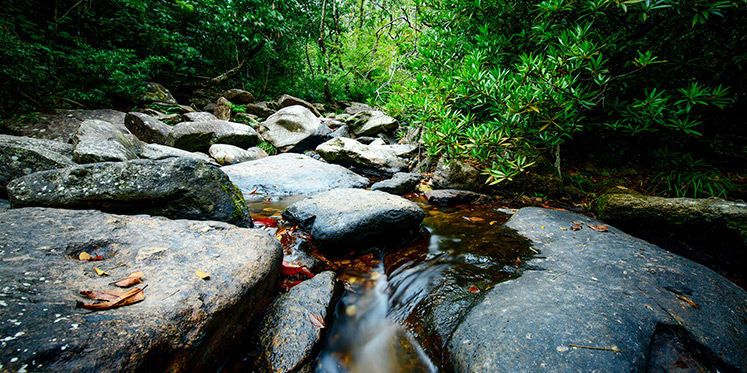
pixel 168 201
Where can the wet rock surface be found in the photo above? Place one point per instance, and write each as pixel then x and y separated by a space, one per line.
pixel 179 188
pixel 184 323
pixel 349 217
pixel 400 183
pixel 286 338
pixel 603 290
pixel 291 174
pixel 451 197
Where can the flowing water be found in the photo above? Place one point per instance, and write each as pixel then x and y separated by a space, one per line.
pixel 401 304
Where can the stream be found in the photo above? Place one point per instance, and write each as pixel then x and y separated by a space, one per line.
pixel 401 304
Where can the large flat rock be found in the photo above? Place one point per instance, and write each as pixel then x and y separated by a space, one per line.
pixel 347 217
pixel 184 323
pixel 291 174
pixel 610 292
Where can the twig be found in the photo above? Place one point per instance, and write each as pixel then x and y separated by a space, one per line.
pixel 598 348
pixel 553 279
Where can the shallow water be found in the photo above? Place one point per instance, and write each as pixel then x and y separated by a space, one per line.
pixel 401 304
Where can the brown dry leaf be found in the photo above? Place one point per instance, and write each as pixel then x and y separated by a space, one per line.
pixel 599 228
pixel 317 320
pixel 131 279
pixel 688 301
pixel 132 296
pixel 576 226
pixel 473 289
pixel 563 229
pixel 100 272
pixel 621 187
pixel 103 295
pixel 202 275
pixel 84 256
pixel 473 218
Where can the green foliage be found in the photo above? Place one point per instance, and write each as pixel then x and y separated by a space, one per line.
pixel 498 80
pixel 267 147
pixel 685 176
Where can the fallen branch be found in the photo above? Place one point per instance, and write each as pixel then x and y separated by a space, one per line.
pixel 597 348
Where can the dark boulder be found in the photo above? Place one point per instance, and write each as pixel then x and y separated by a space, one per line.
pixel 147 128
pixel 349 217
pixel 286 339
pixel 183 324
pixel 400 183
pixel 238 96
pixel 291 174
pixel 451 197
pixel 179 188
pixel 599 301
pixel 21 156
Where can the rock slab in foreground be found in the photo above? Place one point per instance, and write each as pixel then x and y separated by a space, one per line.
pixel 291 174
pixel 179 188
pixel 184 323
pixel 597 289
pixel 347 217
pixel 286 338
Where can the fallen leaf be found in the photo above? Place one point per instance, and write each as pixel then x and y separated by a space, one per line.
pixel 473 218
pixel 254 191
pixel 563 229
pixel 287 285
pixel 688 301
pixel 599 228
pixel 132 296
pixel 288 269
pixel 317 320
pixel 493 222
pixel 202 275
pixel 621 187
pixel 100 272
pixel 131 279
pixel 265 222
pixel 576 226
pixel 103 295
pixel 473 289
pixel 84 256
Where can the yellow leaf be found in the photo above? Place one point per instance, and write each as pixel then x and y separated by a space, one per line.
pixel 493 222
pixel 202 275
pixel 84 256
pixel 100 272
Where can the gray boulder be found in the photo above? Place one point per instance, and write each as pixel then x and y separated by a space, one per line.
pixel 288 100
pixel 366 159
pixel 356 107
pixel 286 339
pixel 349 217
pixel 199 116
pixel 294 129
pixel 21 156
pixel 199 136
pixel 291 174
pixel 147 128
pixel 156 92
pixel 455 174
pixel 261 109
pixel 371 123
pixel 229 154
pixel 157 151
pixel 100 141
pixel 342 131
pixel 183 324
pixel 61 125
pixel 597 301
pixel 451 197
pixel 238 96
pixel 400 183
pixel 179 188
pixel 702 215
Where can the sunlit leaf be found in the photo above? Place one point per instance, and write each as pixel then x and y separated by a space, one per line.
pixel 131 279
pixel 132 296
pixel 85 256
pixel 598 228
pixel 688 301
pixel 202 275
pixel 473 289
pixel 576 226
pixel 100 272
pixel 265 222
pixel 317 320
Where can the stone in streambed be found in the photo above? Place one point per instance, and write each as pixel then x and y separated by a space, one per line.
pixel 451 197
pixel 229 154
pixel 350 217
pixel 286 339
pixel 100 141
pixel 294 129
pixel 178 188
pixel 291 174
pixel 147 128
pixel 604 290
pixel 184 323
pixel 199 136
pixel 21 156
pixel 370 160
pixel 400 183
